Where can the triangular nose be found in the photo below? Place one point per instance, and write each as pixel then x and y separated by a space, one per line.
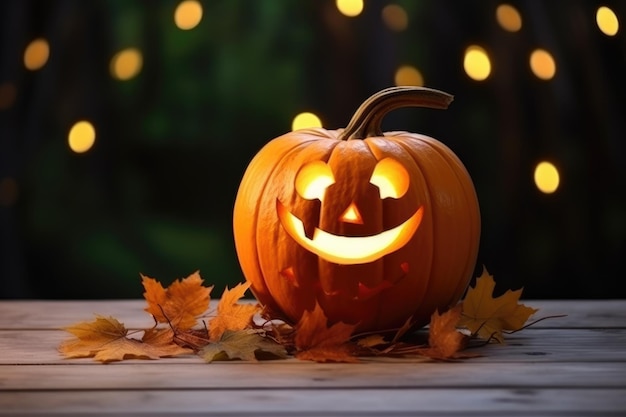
pixel 351 215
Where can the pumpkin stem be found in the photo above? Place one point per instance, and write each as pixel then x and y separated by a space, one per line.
pixel 367 120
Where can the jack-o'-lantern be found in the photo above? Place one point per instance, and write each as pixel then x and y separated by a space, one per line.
pixel 375 227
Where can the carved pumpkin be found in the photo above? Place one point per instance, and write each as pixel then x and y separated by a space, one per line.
pixel 376 227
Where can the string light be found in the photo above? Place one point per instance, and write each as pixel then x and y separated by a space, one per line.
pixel 508 18
pixel 607 21
pixel 188 14
pixel 81 137
pixel 408 75
pixel 126 64
pixel 546 177
pixel 305 120
pixel 36 54
pixel 542 64
pixel 476 63
pixel 350 8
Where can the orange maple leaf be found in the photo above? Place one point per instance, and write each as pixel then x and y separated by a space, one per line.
pixel 444 340
pixel 232 315
pixel 315 341
pixel 180 304
pixel 105 339
pixel 487 316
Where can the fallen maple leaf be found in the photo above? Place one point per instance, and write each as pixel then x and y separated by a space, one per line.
pixel 315 341
pixel 247 345
pixel 105 339
pixel 180 304
pixel 232 315
pixel 487 316
pixel 444 340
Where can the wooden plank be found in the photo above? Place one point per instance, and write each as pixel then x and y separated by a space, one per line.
pixel 337 402
pixel 46 314
pixel 291 375
pixel 539 345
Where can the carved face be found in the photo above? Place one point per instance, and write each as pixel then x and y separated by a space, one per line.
pixel 312 181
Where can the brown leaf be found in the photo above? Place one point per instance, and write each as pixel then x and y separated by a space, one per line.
pixel 315 341
pixel 247 345
pixel 230 314
pixel 180 304
pixel 105 339
pixel 444 340
pixel 487 316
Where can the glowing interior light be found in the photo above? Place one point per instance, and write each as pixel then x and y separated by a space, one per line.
pixel 305 120
pixel 395 17
pixel 408 75
pixel 391 178
pixel 126 64
pixel 542 64
pixel 350 8
pixel 8 93
pixel 36 54
pixel 82 136
pixel 313 179
pixel 188 14
pixel 476 63
pixel 607 21
pixel 546 177
pixel 352 215
pixel 349 250
pixel 508 18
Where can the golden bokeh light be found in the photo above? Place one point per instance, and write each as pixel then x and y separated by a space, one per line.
pixel 188 14
pixel 476 63
pixel 126 64
pixel 607 21
pixel 546 177
pixel 408 75
pixel 305 120
pixel 350 8
pixel 395 17
pixel 81 137
pixel 36 54
pixel 508 18
pixel 542 64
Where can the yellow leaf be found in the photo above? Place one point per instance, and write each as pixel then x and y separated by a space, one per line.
pixel 180 304
pixel 487 316
pixel 247 345
pixel 230 314
pixel 105 339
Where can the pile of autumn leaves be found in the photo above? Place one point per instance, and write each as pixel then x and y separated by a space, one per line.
pixel 235 330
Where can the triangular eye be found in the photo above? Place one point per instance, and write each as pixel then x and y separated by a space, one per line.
pixel 391 178
pixel 313 179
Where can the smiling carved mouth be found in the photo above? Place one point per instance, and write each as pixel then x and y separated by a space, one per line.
pixel 349 250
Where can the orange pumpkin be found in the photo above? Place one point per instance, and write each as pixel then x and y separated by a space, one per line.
pixel 376 227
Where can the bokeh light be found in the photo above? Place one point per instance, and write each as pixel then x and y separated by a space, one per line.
pixel 350 8
pixel 546 177
pixel 476 63
pixel 508 18
pixel 305 120
pixel 126 64
pixel 607 21
pixel 395 17
pixel 36 54
pixel 408 75
pixel 542 64
pixel 8 191
pixel 188 14
pixel 81 137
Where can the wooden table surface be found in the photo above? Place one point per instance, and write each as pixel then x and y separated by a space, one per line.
pixel 570 366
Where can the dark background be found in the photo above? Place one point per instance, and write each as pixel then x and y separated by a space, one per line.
pixel 155 193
